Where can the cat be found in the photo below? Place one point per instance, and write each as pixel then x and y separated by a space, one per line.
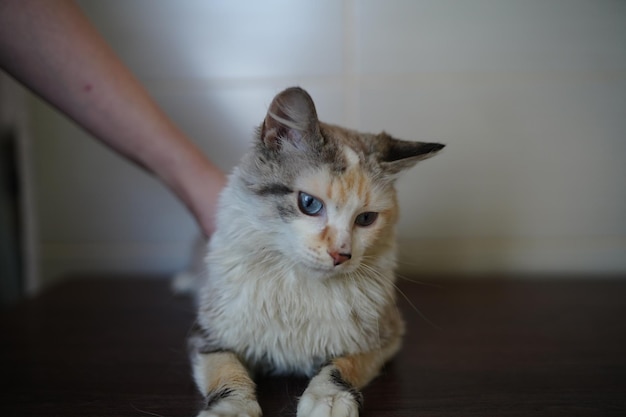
pixel 300 270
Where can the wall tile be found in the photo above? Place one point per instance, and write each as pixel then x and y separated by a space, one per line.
pixel 401 36
pixel 223 39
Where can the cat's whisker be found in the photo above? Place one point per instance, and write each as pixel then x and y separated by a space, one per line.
pixel 375 272
pixel 146 412
pixel 378 332
pixel 414 281
pixel 404 277
pixel 417 310
pixel 357 276
pixel 355 282
pixel 385 283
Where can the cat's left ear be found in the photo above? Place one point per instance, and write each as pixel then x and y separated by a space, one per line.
pixel 396 155
pixel 290 118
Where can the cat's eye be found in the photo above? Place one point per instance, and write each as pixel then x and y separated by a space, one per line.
pixel 365 219
pixel 309 205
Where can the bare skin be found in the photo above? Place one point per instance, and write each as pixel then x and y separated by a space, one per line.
pixel 51 47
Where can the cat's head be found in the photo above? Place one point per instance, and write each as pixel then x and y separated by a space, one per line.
pixel 326 193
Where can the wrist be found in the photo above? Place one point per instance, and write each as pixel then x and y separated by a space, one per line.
pixel 197 183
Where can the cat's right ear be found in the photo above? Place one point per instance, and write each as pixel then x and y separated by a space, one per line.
pixel 291 117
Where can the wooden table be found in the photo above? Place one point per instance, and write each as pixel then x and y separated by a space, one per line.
pixel 116 347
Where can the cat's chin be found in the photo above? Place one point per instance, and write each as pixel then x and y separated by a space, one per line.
pixel 323 272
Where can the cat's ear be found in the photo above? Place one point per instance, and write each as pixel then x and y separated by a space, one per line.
pixel 291 117
pixel 397 155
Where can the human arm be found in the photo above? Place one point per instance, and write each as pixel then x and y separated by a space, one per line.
pixel 52 48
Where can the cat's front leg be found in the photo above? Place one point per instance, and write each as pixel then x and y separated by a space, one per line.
pixel 226 385
pixel 334 391
pixel 330 395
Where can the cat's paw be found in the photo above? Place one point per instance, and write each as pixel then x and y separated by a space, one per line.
pixel 328 397
pixel 229 404
pixel 327 404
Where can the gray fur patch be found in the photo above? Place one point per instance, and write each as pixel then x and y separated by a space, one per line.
pixel 274 189
pixel 286 212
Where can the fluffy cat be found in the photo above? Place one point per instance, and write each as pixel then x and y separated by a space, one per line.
pixel 300 272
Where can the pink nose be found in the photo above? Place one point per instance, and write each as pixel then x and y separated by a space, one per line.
pixel 339 258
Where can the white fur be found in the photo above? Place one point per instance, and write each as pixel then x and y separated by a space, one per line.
pixel 281 315
pixel 351 157
pixel 323 398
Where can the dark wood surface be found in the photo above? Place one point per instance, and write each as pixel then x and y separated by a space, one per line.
pixel 116 347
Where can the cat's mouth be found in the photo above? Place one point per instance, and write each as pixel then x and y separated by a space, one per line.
pixel 326 271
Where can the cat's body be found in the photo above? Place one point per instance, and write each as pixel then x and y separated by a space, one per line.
pixel 300 269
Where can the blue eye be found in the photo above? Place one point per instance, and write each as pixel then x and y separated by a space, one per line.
pixel 366 219
pixel 309 205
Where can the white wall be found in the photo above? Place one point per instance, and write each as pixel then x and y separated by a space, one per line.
pixel 529 95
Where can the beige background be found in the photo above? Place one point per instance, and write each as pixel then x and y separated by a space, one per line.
pixel 529 96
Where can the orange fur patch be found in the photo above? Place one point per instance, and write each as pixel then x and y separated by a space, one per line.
pixel 359 370
pixel 225 370
pixel 350 183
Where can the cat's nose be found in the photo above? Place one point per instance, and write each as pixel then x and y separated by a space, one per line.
pixel 339 258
